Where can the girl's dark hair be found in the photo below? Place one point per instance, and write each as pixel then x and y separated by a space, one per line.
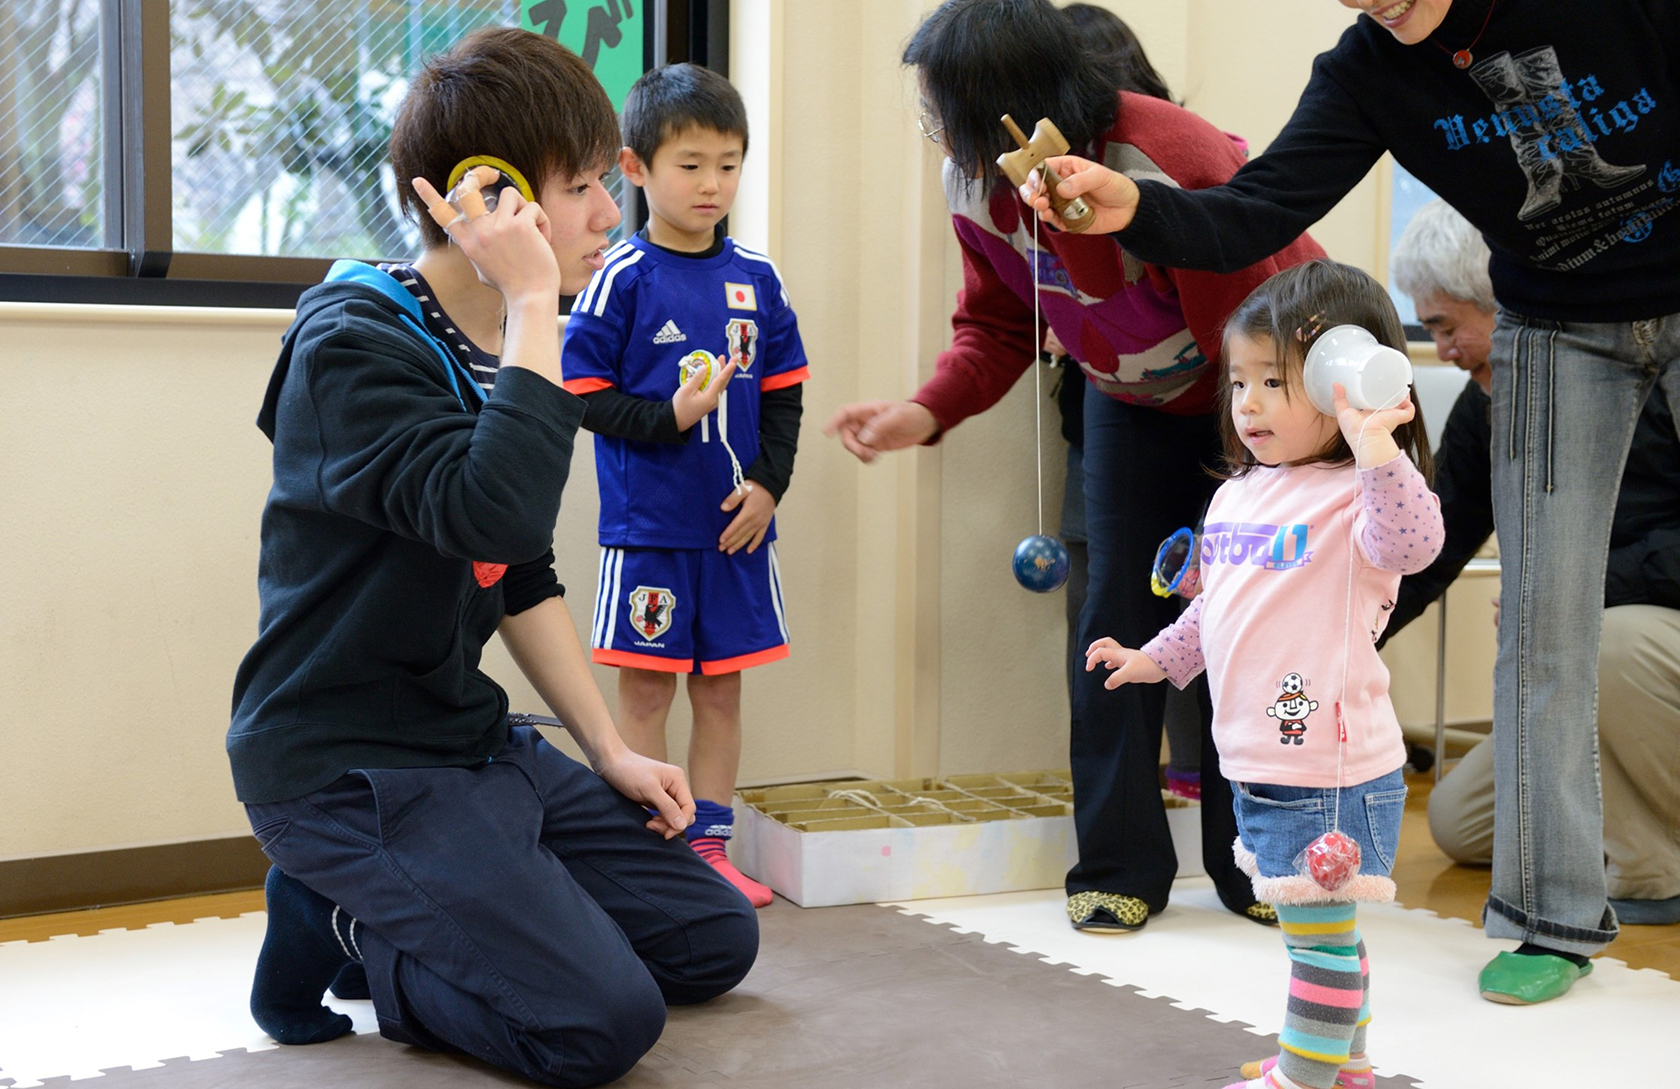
pixel 668 100
pixel 519 96
pixel 1101 30
pixel 981 59
pixel 1290 310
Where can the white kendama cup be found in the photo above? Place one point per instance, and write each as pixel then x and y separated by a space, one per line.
pixel 1373 374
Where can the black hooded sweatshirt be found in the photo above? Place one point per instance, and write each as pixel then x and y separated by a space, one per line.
pixel 1560 142
pixel 398 497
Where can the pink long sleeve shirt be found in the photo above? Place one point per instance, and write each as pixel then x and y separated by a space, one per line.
pixel 1277 618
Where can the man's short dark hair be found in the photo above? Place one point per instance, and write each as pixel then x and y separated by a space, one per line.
pixel 504 92
pixel 668 100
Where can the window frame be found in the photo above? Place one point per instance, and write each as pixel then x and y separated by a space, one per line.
pixel 137 263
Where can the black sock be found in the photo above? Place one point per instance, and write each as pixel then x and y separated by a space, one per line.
pixel 1529 949
pixel 302 953
pixel 351 982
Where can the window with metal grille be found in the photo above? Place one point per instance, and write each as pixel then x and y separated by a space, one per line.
pixel 282 114
pixel 225 151
pixel 52 190
pixel 1406 196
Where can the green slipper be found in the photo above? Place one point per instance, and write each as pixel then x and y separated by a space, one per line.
pixel 1106 911
pixel 1264 914
pixel 1522 980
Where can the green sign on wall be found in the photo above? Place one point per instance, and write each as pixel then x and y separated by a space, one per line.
pixel 607 34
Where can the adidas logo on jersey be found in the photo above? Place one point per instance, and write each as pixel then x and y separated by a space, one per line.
pixel 669 334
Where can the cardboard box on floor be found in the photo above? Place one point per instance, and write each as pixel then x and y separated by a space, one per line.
pixel 852 842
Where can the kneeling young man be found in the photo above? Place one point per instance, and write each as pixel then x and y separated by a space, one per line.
pixel 492 895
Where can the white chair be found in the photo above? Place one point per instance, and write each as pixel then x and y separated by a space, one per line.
pixel 1438 387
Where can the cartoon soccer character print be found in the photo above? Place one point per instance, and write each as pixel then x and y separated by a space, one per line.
pixel 1291 709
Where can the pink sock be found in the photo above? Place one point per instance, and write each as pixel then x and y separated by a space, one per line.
pixel 1271 1079
pixel 711 849
pixel 1355 1075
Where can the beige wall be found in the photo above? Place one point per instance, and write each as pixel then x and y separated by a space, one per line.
pixel 131 482
pixel 132 476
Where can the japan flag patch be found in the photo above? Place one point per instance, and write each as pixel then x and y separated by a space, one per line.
pixel 740 296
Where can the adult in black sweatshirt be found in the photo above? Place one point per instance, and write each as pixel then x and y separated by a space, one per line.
pixel 1441 262
pixel 1554 127
pixel 490 894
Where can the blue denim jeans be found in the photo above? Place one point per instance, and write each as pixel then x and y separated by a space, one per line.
pixel 1565 399
pixel 1276 823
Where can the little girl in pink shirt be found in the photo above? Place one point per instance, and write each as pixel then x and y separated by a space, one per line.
pixel 1301 554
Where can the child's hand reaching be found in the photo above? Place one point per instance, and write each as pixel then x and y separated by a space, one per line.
pixel 691 403
pixel 1370 433
pixel 748 527
pixel 1129 666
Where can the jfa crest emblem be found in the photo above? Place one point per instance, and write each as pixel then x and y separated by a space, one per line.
pixel 743 342
pixel 650 610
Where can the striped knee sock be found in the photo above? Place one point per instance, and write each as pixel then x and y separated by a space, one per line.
pixel 1358 1062
pixel 1326 991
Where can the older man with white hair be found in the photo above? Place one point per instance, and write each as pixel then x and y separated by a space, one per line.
pixel 1441 262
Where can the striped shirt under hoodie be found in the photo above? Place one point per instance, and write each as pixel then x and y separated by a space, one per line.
pixel 1143 334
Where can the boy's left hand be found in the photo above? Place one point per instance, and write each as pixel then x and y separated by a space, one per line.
pixel 650 782
pixel 750 525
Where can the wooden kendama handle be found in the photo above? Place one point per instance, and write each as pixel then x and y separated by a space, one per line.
pixel 1015 131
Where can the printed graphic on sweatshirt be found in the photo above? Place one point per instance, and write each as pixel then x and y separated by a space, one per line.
pixel 1126 328
pixel 1291 709
pixel 1050 273
pixel 1188 359
pixel 1553 125
pixel 650 611
pixel 1256 544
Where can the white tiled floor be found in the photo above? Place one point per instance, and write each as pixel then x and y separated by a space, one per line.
pixel 1428 1023
pixel 75 1005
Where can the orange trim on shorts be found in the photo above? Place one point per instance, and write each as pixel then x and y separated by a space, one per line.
pixel 745 661
pixel 782 381
pixel 580 386
pixel 602 656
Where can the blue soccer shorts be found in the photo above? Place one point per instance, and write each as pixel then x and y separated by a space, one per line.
pixel 689 610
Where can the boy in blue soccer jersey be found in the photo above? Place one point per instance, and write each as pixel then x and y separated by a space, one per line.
pixel 688 357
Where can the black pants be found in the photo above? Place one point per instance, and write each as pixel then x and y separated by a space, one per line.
pixel 1145 476
pixel 518 910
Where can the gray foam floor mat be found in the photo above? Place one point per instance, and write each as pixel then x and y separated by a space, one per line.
pixel 840 997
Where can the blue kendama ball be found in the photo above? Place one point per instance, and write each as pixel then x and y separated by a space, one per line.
pixel 1042 564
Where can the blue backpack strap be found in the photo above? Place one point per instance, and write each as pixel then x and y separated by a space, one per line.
pixel 356 272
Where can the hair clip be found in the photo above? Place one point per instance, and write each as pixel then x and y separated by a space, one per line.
pixel 1309 329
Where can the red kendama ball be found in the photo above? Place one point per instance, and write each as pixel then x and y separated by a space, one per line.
pixel 1332 860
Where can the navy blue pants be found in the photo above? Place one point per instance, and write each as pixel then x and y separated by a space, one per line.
pixel 1145 477
pixel 519 911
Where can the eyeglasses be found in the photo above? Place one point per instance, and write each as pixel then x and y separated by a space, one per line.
pixel 925 125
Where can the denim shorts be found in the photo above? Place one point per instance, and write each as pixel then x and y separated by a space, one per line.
pixel 1275 823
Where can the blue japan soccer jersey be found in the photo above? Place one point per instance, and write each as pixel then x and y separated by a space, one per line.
pixel 647 316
